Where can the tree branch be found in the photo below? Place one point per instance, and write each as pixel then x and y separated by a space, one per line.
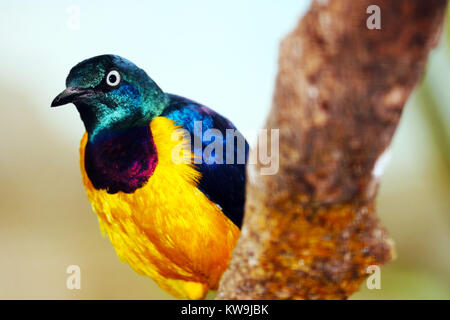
pixel 310 231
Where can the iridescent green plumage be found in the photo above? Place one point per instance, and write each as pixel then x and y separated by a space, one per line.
pixel 135 102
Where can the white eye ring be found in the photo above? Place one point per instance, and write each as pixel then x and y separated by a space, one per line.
pixel 113 78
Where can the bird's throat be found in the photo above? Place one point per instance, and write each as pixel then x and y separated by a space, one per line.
pixel 121 161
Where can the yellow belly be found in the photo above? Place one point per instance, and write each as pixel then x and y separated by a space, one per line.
pixel 168 229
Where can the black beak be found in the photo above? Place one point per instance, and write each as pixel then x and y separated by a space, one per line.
pixel 72 94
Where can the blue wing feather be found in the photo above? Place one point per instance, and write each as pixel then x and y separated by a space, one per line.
pixel 222 183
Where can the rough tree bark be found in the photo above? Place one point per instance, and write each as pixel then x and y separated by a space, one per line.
pixel 310 231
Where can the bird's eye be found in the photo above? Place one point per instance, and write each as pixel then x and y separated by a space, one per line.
pixel 113 78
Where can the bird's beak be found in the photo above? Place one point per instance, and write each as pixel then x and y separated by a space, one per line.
pixel 72 94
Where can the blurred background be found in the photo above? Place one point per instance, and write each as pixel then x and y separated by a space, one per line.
pixel 221 54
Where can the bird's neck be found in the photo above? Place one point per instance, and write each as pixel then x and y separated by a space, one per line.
pixel 121 160
pixel 99 123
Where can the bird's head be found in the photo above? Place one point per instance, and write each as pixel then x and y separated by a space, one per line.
pixel 111 94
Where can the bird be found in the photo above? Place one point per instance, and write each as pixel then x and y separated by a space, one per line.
pixel 174 221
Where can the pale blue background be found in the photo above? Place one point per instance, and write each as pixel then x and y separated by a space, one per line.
pixel 220 53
